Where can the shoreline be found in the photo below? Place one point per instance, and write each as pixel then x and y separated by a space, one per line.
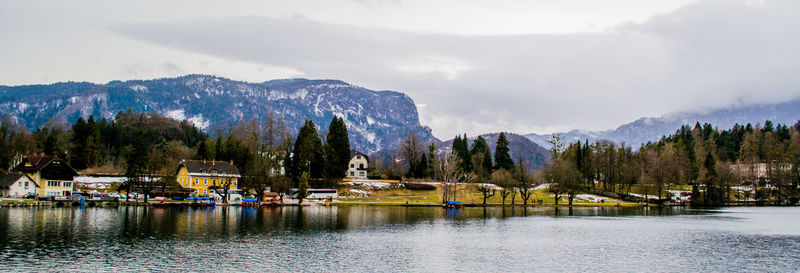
pixel 30 203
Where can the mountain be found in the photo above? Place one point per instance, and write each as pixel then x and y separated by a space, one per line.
pixel 534 154
pixel 375 119
pixel 651 129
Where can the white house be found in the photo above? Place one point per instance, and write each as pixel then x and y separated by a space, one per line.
pixel 359 166
pixel 16 185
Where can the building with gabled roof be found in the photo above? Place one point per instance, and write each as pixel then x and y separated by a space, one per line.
pixel 17 185
pixel 205 175
pixel 52 174
pixel 358 166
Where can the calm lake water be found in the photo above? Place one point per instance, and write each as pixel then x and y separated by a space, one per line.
pixel 400 239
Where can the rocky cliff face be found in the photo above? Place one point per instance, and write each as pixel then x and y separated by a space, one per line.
pixel 375 119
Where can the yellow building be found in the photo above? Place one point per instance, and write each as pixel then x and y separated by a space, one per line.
pixel 204 176
pixel 53 175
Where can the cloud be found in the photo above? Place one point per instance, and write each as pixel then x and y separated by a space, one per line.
pixel 706 55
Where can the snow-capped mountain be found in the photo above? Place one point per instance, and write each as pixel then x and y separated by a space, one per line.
pixel 375 119
pixel 651 129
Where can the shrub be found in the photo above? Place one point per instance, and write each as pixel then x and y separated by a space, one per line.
pixel 419 186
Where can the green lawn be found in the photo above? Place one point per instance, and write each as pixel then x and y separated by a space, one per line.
pixel 19 201
pixel 467 194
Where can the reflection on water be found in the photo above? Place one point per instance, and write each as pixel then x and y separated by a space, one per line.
pixel 369 238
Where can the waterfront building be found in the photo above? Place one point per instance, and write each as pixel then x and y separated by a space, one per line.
pixel 52 174
pixel 202 176
pixel 751 171
pixel 358 166
pixel 17 185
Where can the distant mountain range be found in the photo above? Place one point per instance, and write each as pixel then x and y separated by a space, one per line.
pixel 375 119
pixel 519 146
pixel 651 129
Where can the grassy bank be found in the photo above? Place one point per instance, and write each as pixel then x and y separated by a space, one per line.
pixel 467 194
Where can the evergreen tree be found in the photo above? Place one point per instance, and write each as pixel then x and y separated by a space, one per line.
pixel 479 145
pixel 431 159
pixel 465 155
pixel 137 158
pixel 482 155
pixel 55 143
pixel 422 167
pixel 461 150
pixel 202 150
pixel 712 193
pixel 308 156
pixel 218 153
pixel 457 148
pixel 502 156
pixel 337 149
pixel 767 127
pixel 487 160
pixel 80 133
pixel 302 187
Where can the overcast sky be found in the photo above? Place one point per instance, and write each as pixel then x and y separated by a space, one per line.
pixel 471 66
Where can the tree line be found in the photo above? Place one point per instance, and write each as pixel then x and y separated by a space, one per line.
pixel 719 167
pixel 146 145
pixel 744 163
pixel 465 164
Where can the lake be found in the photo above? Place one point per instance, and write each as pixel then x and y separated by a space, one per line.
pixel 400 239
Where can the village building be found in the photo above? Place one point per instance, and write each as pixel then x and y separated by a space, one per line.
pixel 202 176
pixel 17 185
pixel 751 171
pixel 52 174
pixel 358 166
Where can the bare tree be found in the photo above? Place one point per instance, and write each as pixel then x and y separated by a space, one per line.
pixel 487 191
pixel 448 171
pixel 503 178
pixel 411 149
pixel 524 181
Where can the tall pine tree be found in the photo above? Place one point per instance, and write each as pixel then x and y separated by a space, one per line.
pixel 337 149
pixel 307 151
pixel 502 156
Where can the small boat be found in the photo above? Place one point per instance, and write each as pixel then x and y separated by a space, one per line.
pixel 250 203
pixel 452 204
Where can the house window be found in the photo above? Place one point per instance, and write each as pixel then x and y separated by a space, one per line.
pixel 205 192
pixel 362 174
pixel 52 184
pixel 361 166
pixel 205 181
pixel 26 185
pixel 358 157
pixel 67 184
pixel 352 165
pixel 352 173
pixel 214 182
pixel 196 181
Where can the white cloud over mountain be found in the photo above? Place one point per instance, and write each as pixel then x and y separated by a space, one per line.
pixel 703 55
